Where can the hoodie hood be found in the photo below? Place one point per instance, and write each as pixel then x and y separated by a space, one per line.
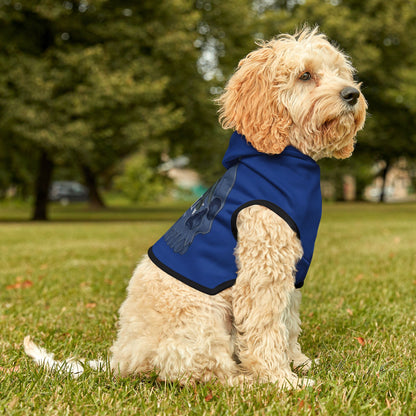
pixel 239 149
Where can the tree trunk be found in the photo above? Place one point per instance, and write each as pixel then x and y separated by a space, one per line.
pixel 95 199
pixel 384 177
pixel 42 185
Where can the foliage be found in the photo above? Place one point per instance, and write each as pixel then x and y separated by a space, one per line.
pixel 80 88
pixel 139 181
pixel 63 284
pixel 85 83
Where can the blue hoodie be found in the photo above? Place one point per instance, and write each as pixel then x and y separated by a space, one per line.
pixel 199 248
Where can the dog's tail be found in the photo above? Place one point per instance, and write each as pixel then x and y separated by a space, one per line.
pixel 71 365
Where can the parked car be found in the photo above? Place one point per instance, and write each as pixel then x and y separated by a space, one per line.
pixel 68 191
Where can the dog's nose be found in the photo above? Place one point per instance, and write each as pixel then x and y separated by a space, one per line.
pixel 350 95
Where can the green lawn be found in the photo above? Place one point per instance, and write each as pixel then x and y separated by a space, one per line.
pixel 62 282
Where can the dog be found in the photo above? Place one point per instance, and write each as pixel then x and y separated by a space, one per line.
pixel 217 297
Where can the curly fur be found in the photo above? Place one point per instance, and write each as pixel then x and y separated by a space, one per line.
pixel 249 332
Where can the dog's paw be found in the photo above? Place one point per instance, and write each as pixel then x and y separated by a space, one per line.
pixel 303 364
pixel 297 383
pixel 306 382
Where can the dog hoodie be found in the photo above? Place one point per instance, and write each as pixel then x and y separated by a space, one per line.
pixel 199 248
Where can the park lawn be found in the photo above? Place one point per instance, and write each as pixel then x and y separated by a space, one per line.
pixel 62 282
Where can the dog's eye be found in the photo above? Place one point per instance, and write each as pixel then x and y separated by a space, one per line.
pixel 306 76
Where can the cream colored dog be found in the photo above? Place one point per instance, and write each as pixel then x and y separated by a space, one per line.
pixel 293 91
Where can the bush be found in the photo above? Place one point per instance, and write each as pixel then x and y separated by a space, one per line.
pixel 139 181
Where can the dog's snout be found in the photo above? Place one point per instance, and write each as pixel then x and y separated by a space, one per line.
pixel 350 95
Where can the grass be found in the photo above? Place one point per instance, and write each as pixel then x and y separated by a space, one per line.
pixel 62 282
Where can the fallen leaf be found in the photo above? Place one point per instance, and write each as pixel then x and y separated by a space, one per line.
pixel 209 396
pixel 359 277
pixel 20 285
pixel 91 305
pixel 361 341
pixel 10 287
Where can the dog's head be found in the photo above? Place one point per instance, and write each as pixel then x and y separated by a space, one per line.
pixel 295 90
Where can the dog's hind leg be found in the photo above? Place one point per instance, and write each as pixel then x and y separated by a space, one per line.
pixel 199 348
pixel 267 252
pixel 199 344
pixel 177 331
pixel 141 324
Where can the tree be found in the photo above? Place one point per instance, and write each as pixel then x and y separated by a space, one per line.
pixel 82 84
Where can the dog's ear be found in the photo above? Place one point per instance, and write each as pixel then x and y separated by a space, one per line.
pixel 251 104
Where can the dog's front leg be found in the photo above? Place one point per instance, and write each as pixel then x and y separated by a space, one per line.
pixel 300 361
pixel 267 252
